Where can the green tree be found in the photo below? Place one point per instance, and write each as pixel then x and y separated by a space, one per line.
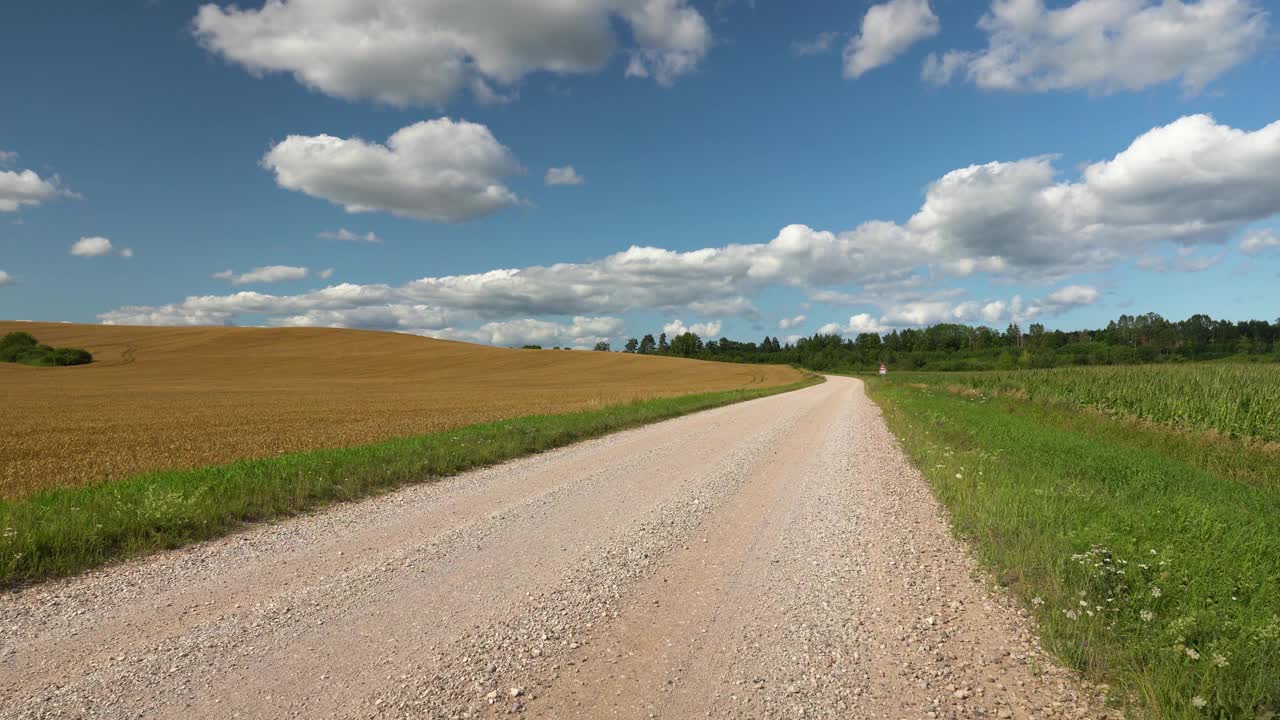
pixel 647 345
pixel 632 346
pixel 662 343
pixel 686 345
pixel 601 346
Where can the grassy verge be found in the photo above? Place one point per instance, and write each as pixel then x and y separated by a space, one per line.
pixel 63 531
pixel 1147 566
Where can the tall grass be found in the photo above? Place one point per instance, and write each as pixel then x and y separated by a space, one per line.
pixel 1237 400
pixel 1144 569
pixel 67 530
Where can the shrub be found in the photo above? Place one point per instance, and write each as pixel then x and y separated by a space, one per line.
pixel 21 347
pixel 71 356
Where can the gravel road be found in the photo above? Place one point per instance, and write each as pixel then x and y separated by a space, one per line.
pixel 778 558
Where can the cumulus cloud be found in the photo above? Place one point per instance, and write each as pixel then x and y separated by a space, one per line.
pixel 25 188
pixel 919 313
pixel 424 52
pixel 791 322
pixel 345 235
pixel 6 278
pixel 582 332
pixel 1106 46
pixel 564 176
pixel 1260 241
pixel 403 317
pixel 91 247
pixel 265 274
pixel 325 274
pixel 888 30
pixel 858 324
pixel 1194 182
pixel 163 315
pixel 442 170
pixel 704 330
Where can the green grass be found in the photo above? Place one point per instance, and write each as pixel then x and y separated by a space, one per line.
pixel 63 531
pixel 1235 399
pixel 1148 566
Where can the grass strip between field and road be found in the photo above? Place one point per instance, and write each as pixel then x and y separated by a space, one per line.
pixel 68 530
pixel 1150 556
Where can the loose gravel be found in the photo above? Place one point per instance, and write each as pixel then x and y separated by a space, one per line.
pixel 774 559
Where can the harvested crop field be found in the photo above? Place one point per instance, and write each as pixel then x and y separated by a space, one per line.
pixel 186 397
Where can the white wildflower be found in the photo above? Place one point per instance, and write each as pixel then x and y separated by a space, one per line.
pixel 1199 701
pixel 1147 615
pixel 1220 660
pixel 1037 601
pixel 1193 654
pixel 1071 614
pixel 1156 592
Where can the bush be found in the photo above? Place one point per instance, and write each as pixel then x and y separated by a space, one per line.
pixel 71 356
pixel 21 347
pixel 13 345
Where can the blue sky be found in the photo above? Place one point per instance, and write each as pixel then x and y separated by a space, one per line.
pixel 863 165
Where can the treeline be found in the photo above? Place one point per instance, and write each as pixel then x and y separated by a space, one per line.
pixel 20 347
pixel 1130 339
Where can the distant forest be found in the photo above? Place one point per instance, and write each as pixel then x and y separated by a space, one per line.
pixel 1130 339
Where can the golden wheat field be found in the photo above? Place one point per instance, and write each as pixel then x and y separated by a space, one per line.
pixel 184 397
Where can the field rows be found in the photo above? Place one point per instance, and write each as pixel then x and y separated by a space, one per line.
pixel 168 398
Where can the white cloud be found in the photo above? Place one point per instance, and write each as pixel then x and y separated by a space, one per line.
pixel 858 324
pixel 1194 183
pixel 6 278
pixel 419 319
pixel 939 309
pixel 791 322
pixel 163 315
pixel 992 312
pixel 265 274
pixel 91 247
pixel 345 235
pixel 582 332
pixel 125 253
pixel 24 188
pixel 888 30
pixel 325 274
pixel 822 43
pixel 1260 241
pixel 424 52
pixel 443 170
pixel 1070 296
pixel 706 330
pixel 564 176
pixel 1107 46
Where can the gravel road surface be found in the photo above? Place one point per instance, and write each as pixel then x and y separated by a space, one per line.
pixel 778 558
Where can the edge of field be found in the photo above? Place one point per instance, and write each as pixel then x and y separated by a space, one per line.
pixel 64 531
pixel 1143 552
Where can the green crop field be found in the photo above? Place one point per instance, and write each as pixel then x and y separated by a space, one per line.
pixel 1239 400
pixel 1148 550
